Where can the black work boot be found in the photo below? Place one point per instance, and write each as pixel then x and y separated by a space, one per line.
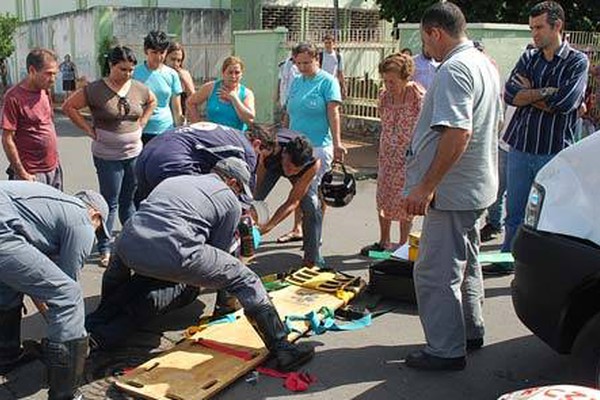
pixel 65 363
pixel 267 323
pixel 226 303
pixel 12 354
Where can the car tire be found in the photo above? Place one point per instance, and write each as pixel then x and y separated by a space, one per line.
pixel 586 353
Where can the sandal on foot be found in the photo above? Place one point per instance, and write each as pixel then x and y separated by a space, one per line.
pixel 290 237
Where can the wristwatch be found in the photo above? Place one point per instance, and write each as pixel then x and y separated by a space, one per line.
pixel 545 92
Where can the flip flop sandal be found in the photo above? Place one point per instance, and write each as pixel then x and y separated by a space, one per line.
pixel 289 237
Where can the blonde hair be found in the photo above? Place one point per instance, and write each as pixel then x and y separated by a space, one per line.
pixel 232 60
pixel 399 63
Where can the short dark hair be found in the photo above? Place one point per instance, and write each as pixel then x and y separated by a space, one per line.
pixel 552 9
pixel 263 132
pixel 446 16
pixel 305 47
pixel 328 36
pixel 156 40
pixel 37 58
pixel 406 51
pixel 300 151
pixel 121 53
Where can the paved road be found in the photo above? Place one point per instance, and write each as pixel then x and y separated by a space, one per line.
pixel 364 364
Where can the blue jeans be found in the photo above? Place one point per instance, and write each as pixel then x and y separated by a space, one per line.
pixel 312 216
pixel 521 170
pixel 117 185
pixel 26 270
pixel 496 210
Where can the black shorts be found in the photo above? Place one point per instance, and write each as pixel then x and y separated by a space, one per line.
pixel 68 86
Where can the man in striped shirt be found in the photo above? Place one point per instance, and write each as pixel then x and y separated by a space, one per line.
pixel 547 86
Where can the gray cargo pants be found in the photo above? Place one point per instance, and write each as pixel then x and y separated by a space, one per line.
pixel 26 270
pixel 209 267
pixel 449 282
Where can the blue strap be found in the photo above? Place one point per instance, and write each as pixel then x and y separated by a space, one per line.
pixel 225 319
pixel 328 323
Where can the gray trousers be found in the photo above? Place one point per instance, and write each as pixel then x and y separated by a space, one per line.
pixel 52 178
pixel 26 270
pixel 209 267
pixel 449 282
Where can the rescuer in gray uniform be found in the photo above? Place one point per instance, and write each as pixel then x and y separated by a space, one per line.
pixel 182 233
pixel 45 237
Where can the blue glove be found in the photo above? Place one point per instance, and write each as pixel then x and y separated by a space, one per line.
pixel 256 236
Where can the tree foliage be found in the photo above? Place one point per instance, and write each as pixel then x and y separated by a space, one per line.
pixel 581 15
pixel 8 26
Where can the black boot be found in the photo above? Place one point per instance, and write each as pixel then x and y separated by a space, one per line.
pixel 65 363
pixel 12 354
pixel 267 323
pixel 226 303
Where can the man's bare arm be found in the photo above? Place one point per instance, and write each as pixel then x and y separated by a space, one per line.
pixel 10 149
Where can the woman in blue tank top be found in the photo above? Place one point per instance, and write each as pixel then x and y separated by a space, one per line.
pixel 228 102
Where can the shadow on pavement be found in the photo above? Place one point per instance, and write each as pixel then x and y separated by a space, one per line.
pixel 499 368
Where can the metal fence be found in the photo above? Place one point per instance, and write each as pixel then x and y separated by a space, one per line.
pixel 363 49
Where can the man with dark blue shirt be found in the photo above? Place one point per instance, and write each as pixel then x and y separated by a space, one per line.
pixel 547 86
pixel 194 150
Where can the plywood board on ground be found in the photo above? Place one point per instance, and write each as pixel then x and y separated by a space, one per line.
pixel 193 372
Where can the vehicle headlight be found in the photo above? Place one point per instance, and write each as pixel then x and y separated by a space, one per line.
pixel 534 205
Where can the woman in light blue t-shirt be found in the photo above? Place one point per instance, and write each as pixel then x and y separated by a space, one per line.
pixel 227 101
pixel 313 108
pixel 164 82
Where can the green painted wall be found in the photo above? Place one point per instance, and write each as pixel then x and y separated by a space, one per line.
pixel 503 42
pixel 261 52
pixel 175 23
pixel 245 15
pixel 103 31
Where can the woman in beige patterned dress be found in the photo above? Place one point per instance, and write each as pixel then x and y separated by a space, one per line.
pixel 399 107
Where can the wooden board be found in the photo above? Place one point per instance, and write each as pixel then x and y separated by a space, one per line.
pixel 193 372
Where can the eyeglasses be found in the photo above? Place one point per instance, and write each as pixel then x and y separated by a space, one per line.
pixel 123 106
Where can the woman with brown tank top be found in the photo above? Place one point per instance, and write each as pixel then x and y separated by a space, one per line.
pixel 120 108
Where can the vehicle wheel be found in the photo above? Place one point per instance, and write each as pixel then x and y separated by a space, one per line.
pixel 586 353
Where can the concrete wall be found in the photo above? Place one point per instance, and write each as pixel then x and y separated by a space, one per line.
pixel 162 3
pixel 34 9
pixel 8 6
pixel 503 42
pixel 206 33
pixel 364 4
pixel 261 52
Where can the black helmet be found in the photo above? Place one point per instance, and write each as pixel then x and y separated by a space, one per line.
pixel 338 187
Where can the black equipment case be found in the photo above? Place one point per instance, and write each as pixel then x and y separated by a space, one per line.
pixel 393 279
